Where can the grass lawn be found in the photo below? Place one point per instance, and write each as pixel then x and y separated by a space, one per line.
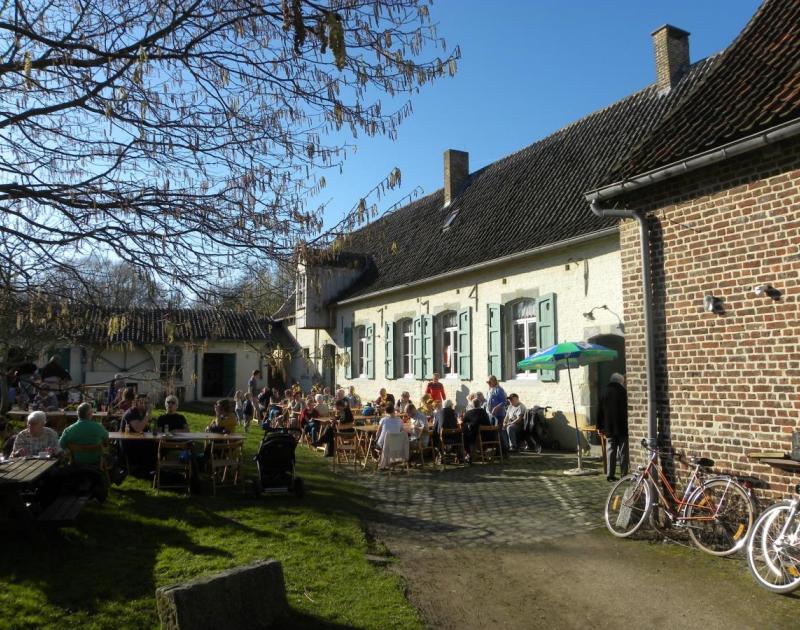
pixel 103 572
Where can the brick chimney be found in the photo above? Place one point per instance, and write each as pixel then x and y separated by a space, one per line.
pixel 456 173
pixel 671 47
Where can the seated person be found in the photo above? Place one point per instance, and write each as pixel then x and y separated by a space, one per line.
pixel 172 421
pixel 383 399
pixel 474 418
pixel 307 419
pixel 515 420
pixel 126 399
pixel 445 419
pixel 326 396
pixel 84 431
pixel 225 420
pixel 323 408
pixel 46 399
pixel 405 401
pixel 390 423
pixel 419 424
pixel 36 438
pixel 353 399
pixel 115 389
pixel 426 406
pixel 137 418
pixel 343 422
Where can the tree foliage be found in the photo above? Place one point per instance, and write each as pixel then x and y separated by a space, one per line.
pixel 184 136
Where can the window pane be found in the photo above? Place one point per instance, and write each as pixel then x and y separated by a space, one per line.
pixel 519 355
pixel 405 326
pixel 531 336
pixel 524 309
pixel 519 335
pixel 449 320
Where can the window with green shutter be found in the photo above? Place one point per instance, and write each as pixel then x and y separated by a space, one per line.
pixel 494 325
pixel 417 342
pixel 388 349
pixel 546 329
pixel 370 351
pixel 465 343
pixel 348 346
pixel 427 346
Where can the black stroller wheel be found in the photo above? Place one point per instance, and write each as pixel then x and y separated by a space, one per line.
pixel 299 488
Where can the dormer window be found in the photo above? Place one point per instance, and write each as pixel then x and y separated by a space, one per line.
pixel 449 220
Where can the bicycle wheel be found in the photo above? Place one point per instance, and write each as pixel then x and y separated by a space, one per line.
pixel 628 505
pixel 719 517
pixel 775 561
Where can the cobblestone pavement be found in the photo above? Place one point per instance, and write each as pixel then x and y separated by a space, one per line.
pixel 528 498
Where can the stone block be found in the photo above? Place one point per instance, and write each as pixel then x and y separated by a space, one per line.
pixel 248 597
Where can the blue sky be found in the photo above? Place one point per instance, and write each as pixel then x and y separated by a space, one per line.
pixel 527 69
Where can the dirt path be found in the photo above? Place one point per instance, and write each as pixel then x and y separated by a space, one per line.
pixel 522 546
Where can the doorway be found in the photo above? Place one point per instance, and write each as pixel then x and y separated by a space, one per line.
pixel 600 373
pixel 219 375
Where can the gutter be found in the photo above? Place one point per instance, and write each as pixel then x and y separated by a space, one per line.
pixel 483 265
pixel 726 151
pixel 749 143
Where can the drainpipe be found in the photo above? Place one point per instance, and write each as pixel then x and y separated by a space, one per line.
pixel 649 343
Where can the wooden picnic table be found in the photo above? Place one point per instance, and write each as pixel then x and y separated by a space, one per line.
pixel 19 475
pixel 189 437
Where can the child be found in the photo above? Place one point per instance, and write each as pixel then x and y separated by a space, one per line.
pixel 238 409
pixel 248 410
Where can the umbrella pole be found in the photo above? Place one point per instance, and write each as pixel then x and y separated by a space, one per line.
pixel 575 417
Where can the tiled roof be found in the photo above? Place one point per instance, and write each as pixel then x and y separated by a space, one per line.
pixel 286 310
pixel 754 86
pixel 161 326
pixel 527 200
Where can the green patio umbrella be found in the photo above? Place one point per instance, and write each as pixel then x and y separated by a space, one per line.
pixel 569 354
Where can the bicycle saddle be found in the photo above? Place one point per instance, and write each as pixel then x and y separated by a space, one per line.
pixel 702 461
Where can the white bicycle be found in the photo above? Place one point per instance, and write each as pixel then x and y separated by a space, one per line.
pixel 773 550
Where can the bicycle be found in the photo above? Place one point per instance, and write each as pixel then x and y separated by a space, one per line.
pixel 717 511
pixel 773 551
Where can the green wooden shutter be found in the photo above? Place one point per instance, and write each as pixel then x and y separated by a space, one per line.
pixel 370 351
pixel 465 343
pixel 417 345
pixel 546 329
pixel 427 346
pixel 494 325
pixel 348 346
pixel 388 348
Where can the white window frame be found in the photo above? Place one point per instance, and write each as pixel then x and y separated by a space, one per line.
pixel 360 348
pixel 526 322
pixel 406 354
pixel 450 334
pixel 169 358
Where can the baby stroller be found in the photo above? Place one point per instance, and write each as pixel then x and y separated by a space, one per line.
pixel 275 465
pixel 537 428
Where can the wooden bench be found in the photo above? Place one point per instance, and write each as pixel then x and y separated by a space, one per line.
pixel 63 510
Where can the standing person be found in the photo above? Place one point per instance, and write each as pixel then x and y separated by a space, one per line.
pixel 435 389
pixel 496 406
pixel 248 411
pixel 612 421
pixel 252 384
pixel 238 401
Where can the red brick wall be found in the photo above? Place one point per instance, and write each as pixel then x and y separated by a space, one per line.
pixel 728 384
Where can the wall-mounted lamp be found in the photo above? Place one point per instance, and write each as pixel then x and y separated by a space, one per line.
pixel 590 314
pixel 768 290
pixel 712 304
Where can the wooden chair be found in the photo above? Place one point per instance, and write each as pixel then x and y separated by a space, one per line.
pixel 451 443
pixel 224 455
pixel 174 456
pixel 417 447
pixel 345 446
pixel 98 449
pixel 489 438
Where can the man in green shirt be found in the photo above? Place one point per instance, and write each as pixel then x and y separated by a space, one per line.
pixel 84 431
